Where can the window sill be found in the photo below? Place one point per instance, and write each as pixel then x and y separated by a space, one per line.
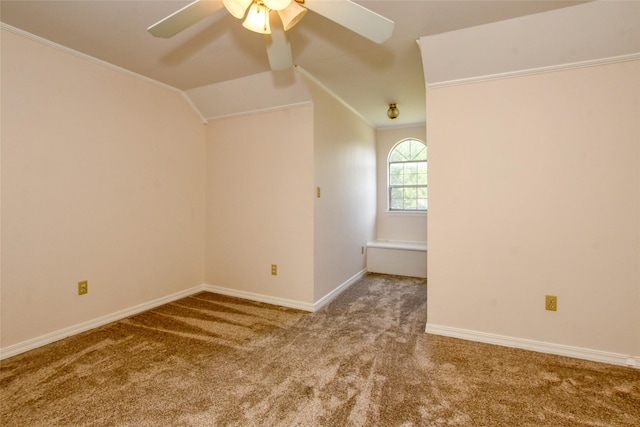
pixel 397 244
pixel 411 213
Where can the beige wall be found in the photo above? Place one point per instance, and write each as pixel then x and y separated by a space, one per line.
pixel 113 179
pixel 403 226
pixel 263 209
pixel 102 180
pixel 345 171
pixel 260 203
pixel 534 188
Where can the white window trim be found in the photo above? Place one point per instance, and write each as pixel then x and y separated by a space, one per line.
pixel 388 194
pixel 407 212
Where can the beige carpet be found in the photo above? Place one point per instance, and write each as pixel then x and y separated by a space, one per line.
pixel 363 360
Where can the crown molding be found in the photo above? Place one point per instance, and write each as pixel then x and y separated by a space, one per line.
pixel 259 111
pixel 534 71
pixel 84 56
pixel 324 87
pixel 100 62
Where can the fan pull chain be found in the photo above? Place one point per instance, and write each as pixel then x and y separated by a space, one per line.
pixel 266 17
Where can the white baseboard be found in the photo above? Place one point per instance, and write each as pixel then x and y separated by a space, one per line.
pixel 539 346
pixel 30 344
pixel 337 291
pixel 253 296
pixel 311 307
pixel 40 341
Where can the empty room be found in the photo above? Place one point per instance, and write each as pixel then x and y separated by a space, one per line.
pixel 320 213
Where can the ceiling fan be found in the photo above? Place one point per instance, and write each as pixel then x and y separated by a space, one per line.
pixel 350 15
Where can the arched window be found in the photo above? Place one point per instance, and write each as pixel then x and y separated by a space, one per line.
pixel 408 176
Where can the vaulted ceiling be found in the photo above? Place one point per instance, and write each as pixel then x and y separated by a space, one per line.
pixel 365 75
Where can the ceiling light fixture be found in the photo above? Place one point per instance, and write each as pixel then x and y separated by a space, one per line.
pixel 276 4
pixel 393 111
pixel 237 8
pixel 258 18
pixel 291 15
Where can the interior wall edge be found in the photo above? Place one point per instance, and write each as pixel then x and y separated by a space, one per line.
pixel 194 108
pixel 337 291
pixel 324 87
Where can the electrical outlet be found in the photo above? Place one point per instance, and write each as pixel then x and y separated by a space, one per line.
pixel 551 302
pixel 83 287
pixel 274 269
pixel 318 192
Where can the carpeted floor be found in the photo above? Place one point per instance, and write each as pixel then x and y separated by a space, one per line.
pixel 363 360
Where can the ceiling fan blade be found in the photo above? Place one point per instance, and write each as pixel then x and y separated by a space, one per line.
pixel 354 17
pixel 278 47
pixel 184 18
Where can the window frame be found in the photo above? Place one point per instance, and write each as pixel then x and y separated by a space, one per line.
pixel 390 186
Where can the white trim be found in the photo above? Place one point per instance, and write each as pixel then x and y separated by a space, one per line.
pixel 84 56
pixel 99 62
pixel 30 344
pixel 634 362
pixel 398 244
pixel 51 337
pixel 532 71
pixel 538 346
pixel 130 73
pixel 332 93
pixel 337 291
pixel 194 107
pixel 400 126
pixel 258 111
pixel 407 212
pixel 252 296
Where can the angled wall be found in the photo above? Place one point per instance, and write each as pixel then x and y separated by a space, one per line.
pixel 114 179
pixel 264 166
pixel 259 93
pixel 102 180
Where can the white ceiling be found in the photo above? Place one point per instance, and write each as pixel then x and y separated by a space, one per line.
pixel 366 76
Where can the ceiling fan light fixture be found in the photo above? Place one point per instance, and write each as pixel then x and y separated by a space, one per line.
pixel 258 18
pixel 237 8
pixel 291 15
pixel 393 111
pixel 277 4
